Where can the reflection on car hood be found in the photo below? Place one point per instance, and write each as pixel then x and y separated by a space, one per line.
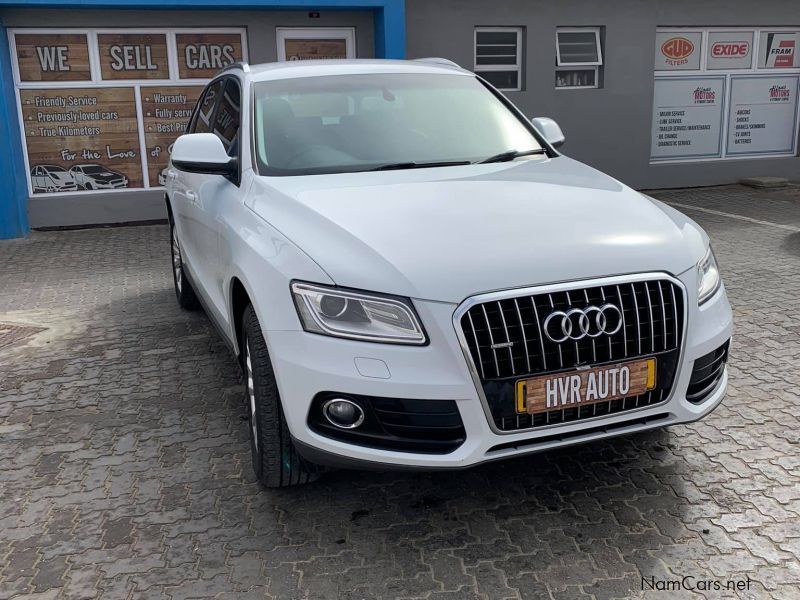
pixel 62 178
pixel 448 233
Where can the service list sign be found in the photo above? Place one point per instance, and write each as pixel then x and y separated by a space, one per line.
pixel 81 138
pixel 687 118
pixel 763 115
pixel 166 111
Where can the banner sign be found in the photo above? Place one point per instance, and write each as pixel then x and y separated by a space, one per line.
pixel 687 118
pixel 132 96
pixel 763 115
pixel 200 56
pixel 53 57
pixel 81 139
pixel 166 112
pixel 133 56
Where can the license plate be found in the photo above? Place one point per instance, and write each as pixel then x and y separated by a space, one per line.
pixel 585 386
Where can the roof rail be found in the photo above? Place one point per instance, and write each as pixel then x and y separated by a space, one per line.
pixel 436 60
pixel 239 64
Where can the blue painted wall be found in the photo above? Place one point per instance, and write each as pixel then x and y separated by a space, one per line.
pixel 390 39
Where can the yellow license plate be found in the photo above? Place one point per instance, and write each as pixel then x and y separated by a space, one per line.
pixel 585 386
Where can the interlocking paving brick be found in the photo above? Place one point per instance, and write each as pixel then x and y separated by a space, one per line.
pixel 124 459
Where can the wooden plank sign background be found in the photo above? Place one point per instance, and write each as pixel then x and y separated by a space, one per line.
pixel 133 56
pixel 83 126
pixel 166 111
pixel 53 57
pixel 301 49
pixel 201 55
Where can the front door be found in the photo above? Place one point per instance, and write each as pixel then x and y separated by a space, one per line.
pixel 316 43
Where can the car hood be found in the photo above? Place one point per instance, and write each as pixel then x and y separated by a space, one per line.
pixel 61 178
pixel 106 177
pixel 448 233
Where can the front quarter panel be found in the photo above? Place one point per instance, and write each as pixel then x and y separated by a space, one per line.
pixel 265 262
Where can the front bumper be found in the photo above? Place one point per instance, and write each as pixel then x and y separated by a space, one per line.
pixel 307 364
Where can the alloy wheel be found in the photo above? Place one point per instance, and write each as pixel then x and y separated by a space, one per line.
pixel 177 263
pixel 251 392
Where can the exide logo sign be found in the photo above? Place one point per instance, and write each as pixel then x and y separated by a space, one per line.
pixel 730 49
pixel 677 50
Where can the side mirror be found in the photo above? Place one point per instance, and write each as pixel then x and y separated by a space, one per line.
pixel 549 130
pixel 203 153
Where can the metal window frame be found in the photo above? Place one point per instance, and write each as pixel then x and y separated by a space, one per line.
pixel 596 70
pixel 516 67
pixel 598 45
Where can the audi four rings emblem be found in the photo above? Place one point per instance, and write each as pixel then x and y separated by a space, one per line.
pixel 578 323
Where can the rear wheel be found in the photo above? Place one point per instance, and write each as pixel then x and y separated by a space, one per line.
pixel 183 289
pixel 275 461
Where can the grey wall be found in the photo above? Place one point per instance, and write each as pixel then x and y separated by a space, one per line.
pixel 608 128
pixel 94 208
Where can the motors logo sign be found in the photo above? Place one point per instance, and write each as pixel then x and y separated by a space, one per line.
pixel 780 93
pixel 677 50
pixel 730 49
pixel 704 95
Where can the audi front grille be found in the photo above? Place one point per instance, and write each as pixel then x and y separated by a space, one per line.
pixel 507 341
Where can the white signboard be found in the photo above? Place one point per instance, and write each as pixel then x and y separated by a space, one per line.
pixel 779 50
pixel 678 50
pixel 687 118
pixel 729 50
pixel 763 115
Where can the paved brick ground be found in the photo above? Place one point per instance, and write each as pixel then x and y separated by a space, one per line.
pixel 124 466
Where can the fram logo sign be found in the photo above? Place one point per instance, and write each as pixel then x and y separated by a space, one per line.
pixel 730 49
pixel 677 50
pixel 781 51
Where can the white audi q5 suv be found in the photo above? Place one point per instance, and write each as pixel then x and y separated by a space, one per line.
pixel 412 276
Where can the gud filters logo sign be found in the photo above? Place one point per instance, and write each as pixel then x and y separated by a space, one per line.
pixel 704 95
pixel 677 50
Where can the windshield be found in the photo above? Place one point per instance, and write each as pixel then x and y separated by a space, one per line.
pixel 341 123
pixel 96 170
pixel 55 169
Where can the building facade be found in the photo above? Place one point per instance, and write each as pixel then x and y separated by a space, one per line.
pixel 657 93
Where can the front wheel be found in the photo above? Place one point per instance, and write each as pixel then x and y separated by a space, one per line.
pixel 184 292
pixel 275 460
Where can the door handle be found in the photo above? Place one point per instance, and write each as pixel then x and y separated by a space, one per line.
pixel 191 196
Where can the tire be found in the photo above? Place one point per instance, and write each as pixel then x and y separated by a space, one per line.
pixel 275 461
pixel 184 292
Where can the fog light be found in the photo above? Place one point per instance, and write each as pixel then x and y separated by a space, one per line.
pixel 343 413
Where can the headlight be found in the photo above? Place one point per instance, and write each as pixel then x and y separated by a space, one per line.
pixel 708 279
pixel 339 313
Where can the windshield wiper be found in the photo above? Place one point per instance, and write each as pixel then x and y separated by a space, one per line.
pixel 419 165
pixel 510 155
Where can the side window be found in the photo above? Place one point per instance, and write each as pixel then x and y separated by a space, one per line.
pixel 201 121
pixel 226 119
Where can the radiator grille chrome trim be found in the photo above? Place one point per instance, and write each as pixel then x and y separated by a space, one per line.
pixel 672 341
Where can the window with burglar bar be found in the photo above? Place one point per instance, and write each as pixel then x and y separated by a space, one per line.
pixel 498 56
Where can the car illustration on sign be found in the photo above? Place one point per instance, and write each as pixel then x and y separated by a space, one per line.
pixel 52 178
pixel 97 177
pixel 406 292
